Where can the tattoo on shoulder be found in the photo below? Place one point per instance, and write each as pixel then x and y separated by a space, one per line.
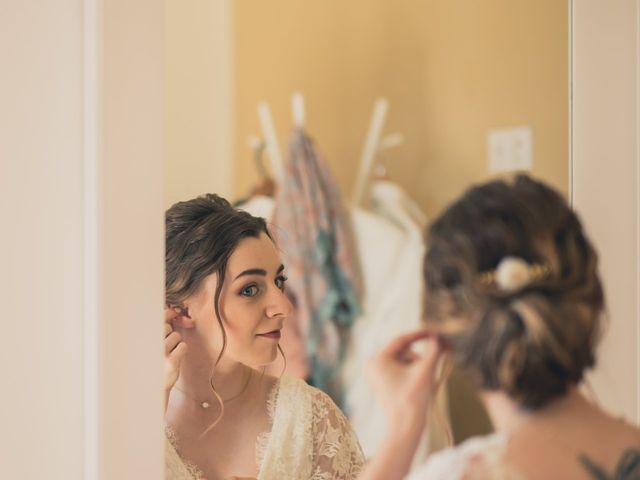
pixel 628 467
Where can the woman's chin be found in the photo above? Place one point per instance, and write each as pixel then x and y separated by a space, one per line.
pixel 266 360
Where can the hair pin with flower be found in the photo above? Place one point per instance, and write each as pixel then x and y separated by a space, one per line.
pixel 513 274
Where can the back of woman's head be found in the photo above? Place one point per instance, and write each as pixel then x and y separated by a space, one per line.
pixel 201 235
pixel 531 340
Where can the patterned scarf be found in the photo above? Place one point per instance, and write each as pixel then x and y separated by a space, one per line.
pixel 314 233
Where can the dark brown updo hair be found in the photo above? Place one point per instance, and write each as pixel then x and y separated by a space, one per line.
pixel 201 235
pixel 531 343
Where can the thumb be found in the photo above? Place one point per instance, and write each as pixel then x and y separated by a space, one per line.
pixel 428 362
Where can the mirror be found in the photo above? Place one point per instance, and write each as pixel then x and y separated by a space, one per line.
pixel 472 90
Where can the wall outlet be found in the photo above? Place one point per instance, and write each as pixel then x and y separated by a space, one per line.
pixel 510 149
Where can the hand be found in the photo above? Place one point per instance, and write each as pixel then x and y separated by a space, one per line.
pixel 174 350
pixel 406 381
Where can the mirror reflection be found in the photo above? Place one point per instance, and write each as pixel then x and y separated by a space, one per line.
pixel 349 128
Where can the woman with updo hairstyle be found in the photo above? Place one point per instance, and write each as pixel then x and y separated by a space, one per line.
pixel 513 297
pixel 225 309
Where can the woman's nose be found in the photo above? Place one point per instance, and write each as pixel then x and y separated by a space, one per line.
pixel 279 304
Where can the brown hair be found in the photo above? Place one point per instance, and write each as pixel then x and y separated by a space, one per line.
pixel 201 235
pixel 533 342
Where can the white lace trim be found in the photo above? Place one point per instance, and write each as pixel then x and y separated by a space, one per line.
pixel 262 441
pixel 192 468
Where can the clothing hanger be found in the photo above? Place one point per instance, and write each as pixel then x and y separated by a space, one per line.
pixel 271 141
pixel 374 142
pixel 266 186
pixel 269 131
pixel 297 110
pixel 380 170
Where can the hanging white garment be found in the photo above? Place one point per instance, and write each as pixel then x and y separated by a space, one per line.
pixel 259 206
pixel 389 200
pixel 391 246
pixel 310 439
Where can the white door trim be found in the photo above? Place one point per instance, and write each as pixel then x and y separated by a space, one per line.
pixel 606 181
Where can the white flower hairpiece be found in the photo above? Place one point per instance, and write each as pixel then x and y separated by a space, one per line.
pixel 513 273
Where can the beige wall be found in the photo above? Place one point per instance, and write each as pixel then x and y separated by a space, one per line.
pixel 41 191
pixel 131 240
pixel 450 69
pixel 81 249
pixel 606 182
pixel 198 97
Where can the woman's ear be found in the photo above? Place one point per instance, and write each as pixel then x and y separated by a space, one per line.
pixel 183 320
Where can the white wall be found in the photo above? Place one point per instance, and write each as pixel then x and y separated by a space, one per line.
pixel 81 247
pixel 606 169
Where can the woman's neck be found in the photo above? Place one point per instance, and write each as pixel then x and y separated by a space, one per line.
pixel 199 369
pixel 507 416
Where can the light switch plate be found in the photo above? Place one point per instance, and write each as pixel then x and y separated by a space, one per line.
pixel 510 149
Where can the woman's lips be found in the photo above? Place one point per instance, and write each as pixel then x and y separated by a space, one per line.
pixel 275 334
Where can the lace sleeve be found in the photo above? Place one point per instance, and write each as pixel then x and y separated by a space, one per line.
pixel 336 453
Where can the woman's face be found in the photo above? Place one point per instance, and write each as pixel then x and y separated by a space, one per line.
pixel 253 305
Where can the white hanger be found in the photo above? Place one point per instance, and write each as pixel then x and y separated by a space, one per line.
pixel 390 141
pixel 297 109
pixel 372 145
pixel 271 141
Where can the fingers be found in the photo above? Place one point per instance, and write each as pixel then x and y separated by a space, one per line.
pixel 171 341
pixel 430 359
pixel 170 313
pixel 178 316
pixel 176 355
pixel 399 347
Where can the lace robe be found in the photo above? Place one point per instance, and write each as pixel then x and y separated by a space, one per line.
pixel 478 458
pixel 309 439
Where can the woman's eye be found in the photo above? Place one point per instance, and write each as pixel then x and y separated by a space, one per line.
pixel 249 291
pixel 280 281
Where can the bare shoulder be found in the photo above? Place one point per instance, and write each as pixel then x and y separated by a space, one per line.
pixel 619 431
pixel 626 435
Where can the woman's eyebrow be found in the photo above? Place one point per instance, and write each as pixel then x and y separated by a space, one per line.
pixel 257 271
pixel 252 271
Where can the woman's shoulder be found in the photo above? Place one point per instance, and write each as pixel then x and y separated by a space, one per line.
pixel 301 392
pixel 290 398
pixel 298 389
pixel 482 455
